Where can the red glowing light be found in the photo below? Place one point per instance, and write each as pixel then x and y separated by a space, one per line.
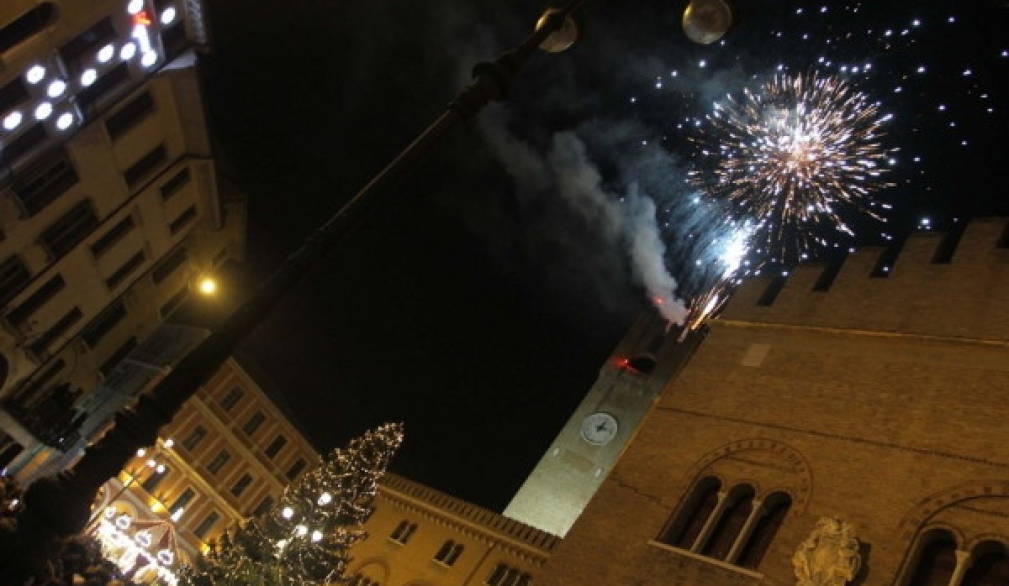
pixel 142 18
pixel 623 362
pixel 659 301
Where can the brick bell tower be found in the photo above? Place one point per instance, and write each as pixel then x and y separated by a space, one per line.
pixel 840 425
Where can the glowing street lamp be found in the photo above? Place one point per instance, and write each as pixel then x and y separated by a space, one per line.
pixel 207 286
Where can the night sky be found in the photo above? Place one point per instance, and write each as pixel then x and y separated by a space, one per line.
pixel 478 301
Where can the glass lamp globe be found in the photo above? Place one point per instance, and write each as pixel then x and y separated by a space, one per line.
pixel 706 21
pixel 561 39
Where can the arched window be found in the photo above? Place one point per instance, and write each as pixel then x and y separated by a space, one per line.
pixel 729 524
pixel 989 565
pixel 693 514
pixel 755 545
pixel 935 560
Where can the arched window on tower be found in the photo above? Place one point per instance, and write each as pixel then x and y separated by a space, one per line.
pixel 752 547
pixel 989 565
pixel 693 514
pixel 729 524
pixel 935 559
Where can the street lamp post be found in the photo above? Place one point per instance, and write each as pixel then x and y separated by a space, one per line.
pixel 58 506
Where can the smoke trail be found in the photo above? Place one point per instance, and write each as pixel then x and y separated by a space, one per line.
pixel 564 169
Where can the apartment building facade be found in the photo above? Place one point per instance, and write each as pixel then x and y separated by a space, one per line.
pixel 419 536
pixel 110 206
pixel 226 456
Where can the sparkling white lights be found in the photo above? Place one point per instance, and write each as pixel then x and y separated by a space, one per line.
pixel 127 51
pixel 35 74
pixel 56 88
pixel 168 15
pixel 106 53
pixel 12 120
pixel 89 76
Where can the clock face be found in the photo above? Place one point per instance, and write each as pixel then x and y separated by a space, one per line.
pixel 599 428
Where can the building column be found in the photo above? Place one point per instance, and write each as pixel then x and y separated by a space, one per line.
pixel 756 512
pixel 962 564
pixel 709 524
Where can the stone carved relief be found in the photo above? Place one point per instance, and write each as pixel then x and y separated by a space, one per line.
pixel 829 556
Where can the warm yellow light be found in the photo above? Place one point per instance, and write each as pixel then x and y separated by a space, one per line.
pixel 204 549
pixel 157 507
pixel 208 286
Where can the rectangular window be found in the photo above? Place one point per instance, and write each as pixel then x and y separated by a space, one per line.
pixel 167 266
pixel 146 165
pixel 174 302
pixel 122 352
pixel 263 507
pixel 175 184
pixel 21 146
pixel 241 485
pixel 206 525
pixel 80 49
pixel 129 115
pixel 194 438
pixel 14 277
pixel 13 94
pixel 103 324
pixel 41 344
pixel 48 178
pixel 36 385
pixel 126 270
pixel 231 399
pixel 111 81
pixel 253 423
pixel 183 500
pixel 154 479
pixel 115 234
pixel 22 312
pixel 219 461
pixel 403 532
pixel 275 446
pixel 173 39
pixel 183 220
pixel 75 225
pixel 296 469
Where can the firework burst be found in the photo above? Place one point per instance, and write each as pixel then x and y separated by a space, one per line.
pixel 800 156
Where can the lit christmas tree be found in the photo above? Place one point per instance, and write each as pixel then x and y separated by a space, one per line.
pixel 306 539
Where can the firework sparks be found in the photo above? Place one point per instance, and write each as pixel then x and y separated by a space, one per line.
pixel 799 154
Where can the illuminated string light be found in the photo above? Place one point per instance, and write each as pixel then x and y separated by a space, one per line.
pixel 106 53
pixel 88 77
pixel 12 120
pixel 35 74
pixel 56 88
pixel 43 110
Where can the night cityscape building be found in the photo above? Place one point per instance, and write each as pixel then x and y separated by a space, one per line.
pixel 225 457
pixel 111 210
pixel 423 537
pixel 838 425
pixel 574 466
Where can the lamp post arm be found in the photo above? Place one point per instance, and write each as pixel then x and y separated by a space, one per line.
pixel 56 507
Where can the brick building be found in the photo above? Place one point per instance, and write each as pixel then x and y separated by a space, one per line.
pixel 846 424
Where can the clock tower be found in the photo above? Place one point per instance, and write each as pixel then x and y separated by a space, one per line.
pixel 578 460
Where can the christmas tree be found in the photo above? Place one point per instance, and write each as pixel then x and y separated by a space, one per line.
pixel 306 539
